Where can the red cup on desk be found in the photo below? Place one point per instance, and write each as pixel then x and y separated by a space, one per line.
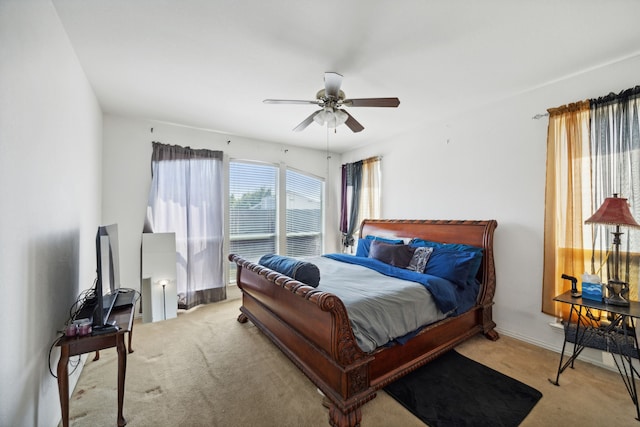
pixel 71 330
pixel 83 327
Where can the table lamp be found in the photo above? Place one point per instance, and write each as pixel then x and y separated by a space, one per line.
pixel 615 211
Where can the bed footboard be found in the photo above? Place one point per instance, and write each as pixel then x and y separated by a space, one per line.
pixel 312 328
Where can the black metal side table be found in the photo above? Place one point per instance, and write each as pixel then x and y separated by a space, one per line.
pixel 618 337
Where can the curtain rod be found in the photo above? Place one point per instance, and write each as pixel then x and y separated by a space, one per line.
pixel 370 159
pixel 611 97
pixel 615 97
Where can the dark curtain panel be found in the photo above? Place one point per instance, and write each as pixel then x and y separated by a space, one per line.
pixel 351 188
pixel 343 201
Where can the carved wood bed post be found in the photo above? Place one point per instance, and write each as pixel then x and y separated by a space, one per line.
pixel 485 299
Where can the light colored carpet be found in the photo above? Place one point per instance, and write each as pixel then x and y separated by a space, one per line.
pixel 206 369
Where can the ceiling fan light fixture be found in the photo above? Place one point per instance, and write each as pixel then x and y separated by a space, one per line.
pixel 340 117
pixel 330 117
pixel 322 117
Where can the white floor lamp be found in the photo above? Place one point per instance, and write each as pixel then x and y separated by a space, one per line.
pixel 164 283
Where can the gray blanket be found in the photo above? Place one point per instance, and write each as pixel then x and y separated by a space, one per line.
pixel 380 308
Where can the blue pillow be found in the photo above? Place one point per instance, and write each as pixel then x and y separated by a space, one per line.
pixel 364 245
pixel 363 248
pixel 385 239
pixel 476 251
pixel 302 271
pixel 450 264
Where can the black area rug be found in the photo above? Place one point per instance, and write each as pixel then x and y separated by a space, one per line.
pixel 454 391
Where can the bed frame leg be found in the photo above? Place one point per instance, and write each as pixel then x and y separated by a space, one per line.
pixel 339 419
pixel 242 318
pixel 492 335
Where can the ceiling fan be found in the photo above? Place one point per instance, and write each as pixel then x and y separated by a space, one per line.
pixel 331 100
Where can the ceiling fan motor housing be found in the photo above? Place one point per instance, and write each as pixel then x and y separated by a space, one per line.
pixel 322 96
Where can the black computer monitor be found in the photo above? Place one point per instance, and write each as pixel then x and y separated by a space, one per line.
pixel 108 272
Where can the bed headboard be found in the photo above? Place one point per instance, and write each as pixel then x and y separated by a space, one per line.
pixel 468 232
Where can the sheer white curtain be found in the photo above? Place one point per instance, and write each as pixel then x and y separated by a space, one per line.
pixel 615 159
pixel 370 195
pixel 186 197
pixel 567 202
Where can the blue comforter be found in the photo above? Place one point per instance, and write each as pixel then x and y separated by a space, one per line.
pixel 448 297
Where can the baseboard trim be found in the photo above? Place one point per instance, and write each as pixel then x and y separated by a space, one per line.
pixel 592 356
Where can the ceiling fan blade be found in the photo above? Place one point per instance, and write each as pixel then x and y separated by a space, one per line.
pixel 306 122
pixel 288 101
pixel 372 102
pixel 332 83
pixel 352 123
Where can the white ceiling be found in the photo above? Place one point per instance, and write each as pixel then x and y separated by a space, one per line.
pixel 210 63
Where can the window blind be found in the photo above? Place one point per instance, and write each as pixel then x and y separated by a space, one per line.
pixel 304 209
pixel 252 209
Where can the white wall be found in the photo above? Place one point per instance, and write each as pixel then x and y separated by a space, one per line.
pixel 50 143
pixel 490 164
pixel 127 176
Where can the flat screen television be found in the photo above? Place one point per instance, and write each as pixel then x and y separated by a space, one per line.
pixel 108 274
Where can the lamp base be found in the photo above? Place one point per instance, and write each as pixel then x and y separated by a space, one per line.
pixel 617 300
pixel 616 290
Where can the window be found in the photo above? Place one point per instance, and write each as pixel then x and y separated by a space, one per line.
pixel 256 224
pixel 593 152
pixel 303 214
pixel 252 209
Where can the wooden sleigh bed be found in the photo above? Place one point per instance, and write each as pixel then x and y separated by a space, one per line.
pixel 312 327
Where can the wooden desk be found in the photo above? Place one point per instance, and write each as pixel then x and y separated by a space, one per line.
pixel 72 346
